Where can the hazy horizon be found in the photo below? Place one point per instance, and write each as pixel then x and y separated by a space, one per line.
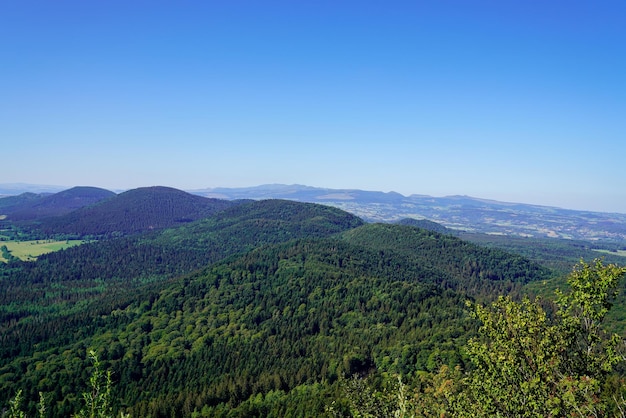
pixel 514 102
pixel 50 188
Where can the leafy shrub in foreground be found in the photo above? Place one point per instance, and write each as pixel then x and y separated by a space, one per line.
pixel 97 399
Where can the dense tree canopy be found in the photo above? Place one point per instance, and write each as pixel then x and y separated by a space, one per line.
pixel 528 362
pixel 268 308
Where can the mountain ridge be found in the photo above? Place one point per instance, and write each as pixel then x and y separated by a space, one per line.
pixel 29 206
pixel 136 210
pixel 458 212
pixel 275 189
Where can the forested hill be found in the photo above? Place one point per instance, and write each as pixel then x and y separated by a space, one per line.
pixel 134 211
pixel 31 206
pixel 9 204
pixel 176 251
pixel 466 265
pixel 291 297
pixel 273 319
pixel 426 224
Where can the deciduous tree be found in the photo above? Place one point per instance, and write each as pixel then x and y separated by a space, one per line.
pixel 530 364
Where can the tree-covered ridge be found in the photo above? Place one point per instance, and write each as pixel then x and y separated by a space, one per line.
pixel 256 310
pixel 464 261
pixel 135 211
pixel 57 282
pixel 248 225
pixel 426 224
pixel 298 313
pixel 10 204
pixel 278 317
pixel 526 362
pixel 33 207
pixel 177 251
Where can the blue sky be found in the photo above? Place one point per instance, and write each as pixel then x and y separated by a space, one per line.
pixel 521 101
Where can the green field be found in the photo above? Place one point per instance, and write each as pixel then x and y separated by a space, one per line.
pixel 30 250
pixel 621 253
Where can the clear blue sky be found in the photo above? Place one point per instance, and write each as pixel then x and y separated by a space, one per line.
pixel 521 101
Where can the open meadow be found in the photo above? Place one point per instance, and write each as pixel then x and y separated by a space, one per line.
pixel 30 250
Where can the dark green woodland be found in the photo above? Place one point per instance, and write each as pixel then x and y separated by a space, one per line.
pixel 273 308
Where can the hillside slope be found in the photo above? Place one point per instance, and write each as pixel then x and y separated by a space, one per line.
pixel 9 204
pixel 299 312
pixel 179 250
pixel 466 265
pixel 135 211
pixel 37 207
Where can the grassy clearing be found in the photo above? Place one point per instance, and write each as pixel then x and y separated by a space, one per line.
pixel 30 250
pixel 621 253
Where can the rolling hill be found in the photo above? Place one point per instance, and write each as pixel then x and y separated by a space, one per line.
pixel 29 207
pixel 134 211
pixel 262 297
pixel 180 250
pixel 208 307
pixel 465 213
pixel 9 204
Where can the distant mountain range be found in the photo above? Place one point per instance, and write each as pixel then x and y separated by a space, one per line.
pixel 456 212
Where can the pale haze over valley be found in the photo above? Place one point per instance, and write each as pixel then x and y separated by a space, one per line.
pixel 511 101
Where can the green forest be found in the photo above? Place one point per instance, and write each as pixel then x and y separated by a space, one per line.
pixel 283 309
